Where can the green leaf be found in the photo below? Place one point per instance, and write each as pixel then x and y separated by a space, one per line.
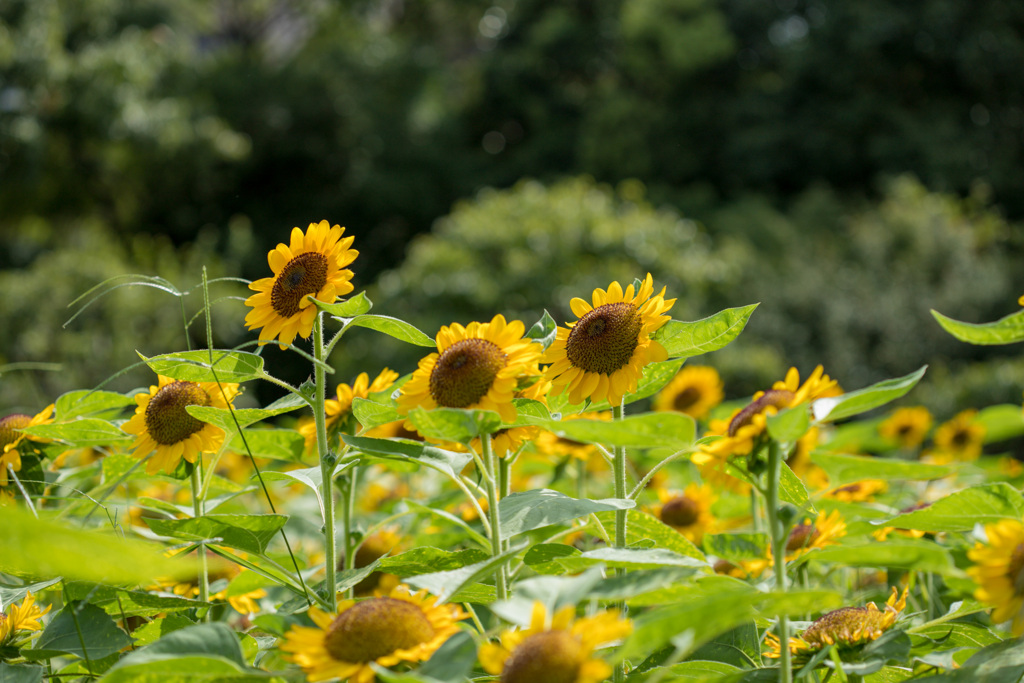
pixel 310 476
pixel 618 558
pixel 80 630
pixel 701 671
pixel 789 425
pixel 737 546
pixel 21 673
pixel 276 444
pixel 522 512
pixel 653 379
pixel 40 547
pixel 844 469
pixel 999 663
pixel 447 584
pixel 223 418
pixel 81 433
pixel 644 530
pixel 117 601
pixel 909 553
pixel 792 489
pixel 372 414
pixel 544 330
pixel 446 462
pixel 529 411
pixel 687 339
pixel 628 586
pixel 426 559
pixel 1006 330
pixel 12 594
pixel 454 424
pixel 250 533
pixel 958 635
pixel 647 430
pixel 158 628
pixel 1001 422
pixel 350 308
pixel 554 592
pixel 195 366
pixel 860 401
pixel 393 327
pixel 217 639
pixel 87 402
pixel 960 511
pixel 453 661
pixel 169 668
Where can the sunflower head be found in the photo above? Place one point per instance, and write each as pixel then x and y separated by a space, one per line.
pixel 554 650
pixel 962 436
pixel 385 629
pixel 11 438
pixel 19 619
pixel 999 572
pixel 859 491
pixel 312 264
pixel 602 354
pixel 818 533
pixel 688 512
pixel 907 426
pixel 694 391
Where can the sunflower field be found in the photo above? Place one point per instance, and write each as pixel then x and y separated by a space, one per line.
pixel 542 501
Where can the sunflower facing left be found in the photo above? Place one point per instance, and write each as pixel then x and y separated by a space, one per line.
pixel 313 263
pixel 162 424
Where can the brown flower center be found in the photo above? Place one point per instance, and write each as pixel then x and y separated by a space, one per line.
pixel 778 398
pixel 802 536
pixel 167 421
pixel 465 372
pixel 547 657
pixel 9 425
pixel 1016 569
pixel 604 339
pixel 376 627
pixel 686 399
pixel 303 275
pixel 680 511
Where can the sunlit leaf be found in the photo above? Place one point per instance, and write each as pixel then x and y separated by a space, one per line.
pixel 1001 422
pixel 645 530
pixel 544 330
pixel 250 533
pixel 1007 330
pixel 669 429
pixel 522 512
pixel 688 339
pixel 85 403
pixel 447 584
pixel 372 414
pixel 393 327
pixel 897 553
pixel 350 308
pixel 81 433
pixel 447 462
pixel 792 489
pixel 277 444
pixel 857 402
pixel 195 366
pixel 844 469
pixel 454 424
pixel 737 546
pixel 961 510
pixel 226 418
pixel 426 559
pixel 789 425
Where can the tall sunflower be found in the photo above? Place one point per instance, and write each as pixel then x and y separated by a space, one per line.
pixel 559 649
pixel 999 572
pixel 312 264
pixel 477 366
pixel 337 409
pixel 907 426
pixel 602 355
pixel 695 390
pixel 162 424
pixel 11 437
pixel 847 628
pixel 386 630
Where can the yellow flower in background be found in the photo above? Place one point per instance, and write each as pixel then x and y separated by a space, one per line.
pixel 311 264
pixel 477 366
pixel 999 572
pixel 510 439
pixel 884 532
pixel 556 446
pixel 822 532
pixel 800 461
pixel 372 548
pixel 962 437
pixel 162 424
pixel 23 618
pixel 340 407
pixel 557 649
pixel 695 390
pixel 602 355
pixel 386 630
pixel 858 492
pixel 907 426
pixel 11 437
pixel 846 627
pixel 689 512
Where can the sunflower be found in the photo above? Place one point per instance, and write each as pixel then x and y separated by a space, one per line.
pixel 559 651
pixel 11 437
pixel 999 572
pixel 20 618
pixel 907 426
pixel 694 391
pixel 477 366
pixel 337 409
pixel 689 512
pixel 162 424
pixel 808 535
pixel 602 355
pixel 385 629
pixel 961 436
pixel 858 492
pixel 846 627
pixel 311 265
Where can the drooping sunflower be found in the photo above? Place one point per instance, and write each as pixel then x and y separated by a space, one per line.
pixel 907 426
pixel 846 627
pixel 385 629
pixel 602 355
pixel 999 572
pixel 688 512
pixel 962 436
pixel 23 618
pixel 162 424
pixel 337 409
pixel 695 390
pixel 556 649
pixel 477 366
pixel 819 533
pixel 11 437
pixel 311 264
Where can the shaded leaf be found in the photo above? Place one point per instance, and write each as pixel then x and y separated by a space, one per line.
pixel 445 585
pixel 250 533
pixel 80 629
pixel 522 512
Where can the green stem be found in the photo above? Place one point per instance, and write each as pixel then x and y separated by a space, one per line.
pixel 581 478
pixel 347 515
pixel 197 512
pixel 326 464
pixel 778 537
pixel 493 498
pixel 619 471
